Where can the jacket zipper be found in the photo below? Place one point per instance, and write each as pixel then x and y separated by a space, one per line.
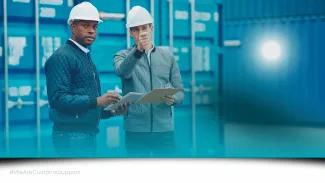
pixel 151 106
pixel 94 75
pixel 96 84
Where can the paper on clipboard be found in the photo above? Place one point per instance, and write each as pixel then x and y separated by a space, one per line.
pixel 129 98
pixel 156 95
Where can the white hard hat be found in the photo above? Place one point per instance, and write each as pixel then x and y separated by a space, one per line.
pixel 138 16
pixel 84 11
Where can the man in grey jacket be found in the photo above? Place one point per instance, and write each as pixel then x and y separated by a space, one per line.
pixel 142 68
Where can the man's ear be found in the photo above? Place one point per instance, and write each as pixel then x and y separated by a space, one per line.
pixel 73 27
pixel 131 34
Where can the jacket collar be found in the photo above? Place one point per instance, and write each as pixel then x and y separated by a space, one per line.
pixel 84 49
pixel 153 50
pixel 69 42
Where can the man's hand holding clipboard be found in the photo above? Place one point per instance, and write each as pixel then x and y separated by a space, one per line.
pixel 156 96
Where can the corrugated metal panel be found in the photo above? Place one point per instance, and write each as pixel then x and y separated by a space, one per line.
pixel 21 98
pixel 115 27
pixel 1 77
pixel 1 13
pixel 182 15
pixel 51 40
pixel 1 50
pixel 293 85
pixel 206 38
pixel 43 100
pixel 110 81
pixel 21 50
pixel 2 85
pixel 104 50
pixel 20 8
pixel 48 9
pixel 207 20
pixel 252 9
pixel 21 46
pixel 55 9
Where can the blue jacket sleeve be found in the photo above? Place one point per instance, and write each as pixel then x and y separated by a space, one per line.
pixel 59 72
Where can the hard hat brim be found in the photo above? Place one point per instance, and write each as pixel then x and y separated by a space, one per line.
pixel 135 25
pixel 69 21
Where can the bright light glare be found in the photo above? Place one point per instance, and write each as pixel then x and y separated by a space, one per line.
pixel 271 50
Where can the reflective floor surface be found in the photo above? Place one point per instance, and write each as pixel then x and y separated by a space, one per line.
pixel 208 135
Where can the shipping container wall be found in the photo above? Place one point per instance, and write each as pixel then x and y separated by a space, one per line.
pixel 1 75
pixel 252 9
pixel 48 9
pixel 286 88
pixel 206 17
pixel 1 68
pixel 22 53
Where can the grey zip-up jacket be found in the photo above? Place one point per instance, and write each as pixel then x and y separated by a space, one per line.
pixel 138 75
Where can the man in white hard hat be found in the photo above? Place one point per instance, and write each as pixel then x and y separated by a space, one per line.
pixel 73 87
pixel 142 68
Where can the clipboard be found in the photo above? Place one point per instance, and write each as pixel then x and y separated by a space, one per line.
pixel 156 95
pixel 130 98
